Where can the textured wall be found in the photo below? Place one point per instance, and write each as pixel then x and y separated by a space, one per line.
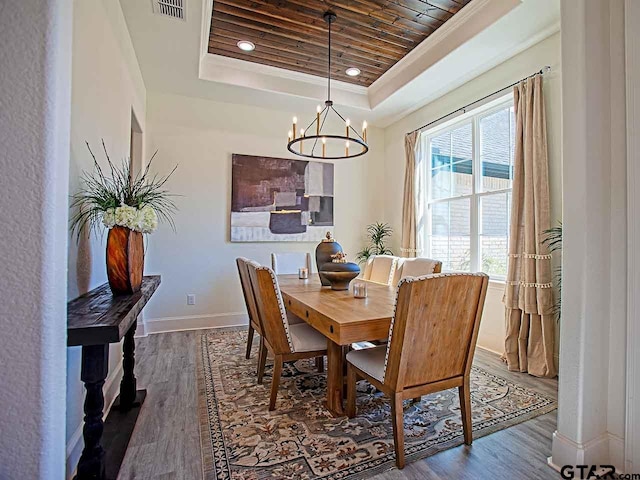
pixel 35 54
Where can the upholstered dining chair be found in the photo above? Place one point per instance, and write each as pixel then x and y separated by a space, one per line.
pixel 289 263
pixel 250 302
pixel 416 267
pixel 432 339
pixel 287 342
pixel 380 269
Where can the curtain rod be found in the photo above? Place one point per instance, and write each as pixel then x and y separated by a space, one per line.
pixel 542 71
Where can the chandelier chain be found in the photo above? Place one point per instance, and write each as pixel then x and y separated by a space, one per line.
pixel 329 67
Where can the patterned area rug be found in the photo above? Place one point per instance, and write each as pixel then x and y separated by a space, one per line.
pixel 241 439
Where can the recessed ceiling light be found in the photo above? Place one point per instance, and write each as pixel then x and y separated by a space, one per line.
pixel 353 71
pixel 246 46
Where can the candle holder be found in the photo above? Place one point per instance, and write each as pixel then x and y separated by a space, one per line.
pixel 303 273
pixel 360 289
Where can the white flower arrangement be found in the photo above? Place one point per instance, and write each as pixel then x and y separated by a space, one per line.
pixel 142 220
pixel 134 202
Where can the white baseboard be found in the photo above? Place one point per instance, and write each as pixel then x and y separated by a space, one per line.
pixel 141 331
pixel 486 349
pixel 606 449
pixel 76 444
pixel 195 322
pixel 616 452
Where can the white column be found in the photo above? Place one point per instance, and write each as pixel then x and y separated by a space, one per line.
pixel 632 54
pixel 35 83
pixel 592 329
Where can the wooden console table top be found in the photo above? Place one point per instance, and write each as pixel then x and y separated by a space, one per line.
pixel 98 317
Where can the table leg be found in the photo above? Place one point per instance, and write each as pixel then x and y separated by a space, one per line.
pixel 335 378
pixel 95 366
pixel 128 383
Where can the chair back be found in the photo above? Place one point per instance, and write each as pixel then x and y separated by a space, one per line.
pixel 289 263
pixel 434 329
pixel 271 308
pixel 247 292
pixel 380 268
pixel 416 267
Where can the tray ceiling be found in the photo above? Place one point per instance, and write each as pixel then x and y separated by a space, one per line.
pixel 371 35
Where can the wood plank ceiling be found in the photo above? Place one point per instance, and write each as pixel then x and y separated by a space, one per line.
pixel 371 35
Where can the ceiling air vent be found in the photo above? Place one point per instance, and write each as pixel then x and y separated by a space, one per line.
pixel 170 8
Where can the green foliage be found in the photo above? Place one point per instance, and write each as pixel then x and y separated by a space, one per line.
pixel 98 193
pixel 377 233
pixel 553 240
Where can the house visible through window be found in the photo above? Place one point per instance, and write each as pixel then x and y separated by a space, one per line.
pixel 469 172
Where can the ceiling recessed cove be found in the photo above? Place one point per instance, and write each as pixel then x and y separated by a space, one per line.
pixel 370 35
pixel 246 46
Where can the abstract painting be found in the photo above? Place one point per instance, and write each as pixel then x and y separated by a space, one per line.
pixel 280 200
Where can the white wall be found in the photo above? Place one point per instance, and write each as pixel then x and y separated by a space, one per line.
pixel 107 85
pixel 547 52
pixel 35 55
pixel 200 136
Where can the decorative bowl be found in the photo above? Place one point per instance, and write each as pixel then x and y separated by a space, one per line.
pixel 339 275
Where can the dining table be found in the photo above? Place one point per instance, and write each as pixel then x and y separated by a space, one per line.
pixel 343 319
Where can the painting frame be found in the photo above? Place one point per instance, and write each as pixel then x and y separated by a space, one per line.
pixel 280 199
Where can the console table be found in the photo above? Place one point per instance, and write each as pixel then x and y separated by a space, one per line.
pixel 94 320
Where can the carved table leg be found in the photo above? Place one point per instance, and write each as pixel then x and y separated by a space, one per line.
pixel 95 366
pixel 128 383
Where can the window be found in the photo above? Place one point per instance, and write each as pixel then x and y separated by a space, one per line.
pixel 469 172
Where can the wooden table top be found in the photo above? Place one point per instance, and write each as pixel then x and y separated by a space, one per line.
pixel 337 314
pixel 97 317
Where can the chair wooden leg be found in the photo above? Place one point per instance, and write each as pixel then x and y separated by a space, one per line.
pixel 275 382
pixel 465 410
pixel 352 378
pixel 249 342
pixel 397 418
pixel 262 360
pixel 320 364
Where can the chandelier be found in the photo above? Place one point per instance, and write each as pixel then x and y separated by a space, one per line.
pixel 327 145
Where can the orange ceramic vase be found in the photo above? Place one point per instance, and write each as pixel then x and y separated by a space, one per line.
pixel 125 260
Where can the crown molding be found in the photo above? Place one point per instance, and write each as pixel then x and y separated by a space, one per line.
pixel 214 61
pixel 412 82
pixel 473 73
pixel 472 19
pixel 217 68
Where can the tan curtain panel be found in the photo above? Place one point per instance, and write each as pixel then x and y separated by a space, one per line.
pixel 409 245
pixel 529 343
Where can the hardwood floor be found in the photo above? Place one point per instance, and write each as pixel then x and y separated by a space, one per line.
pixel 166 444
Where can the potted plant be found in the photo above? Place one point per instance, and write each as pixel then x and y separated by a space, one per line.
pixel 377 233
pixel 553 240
pixel 129 206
